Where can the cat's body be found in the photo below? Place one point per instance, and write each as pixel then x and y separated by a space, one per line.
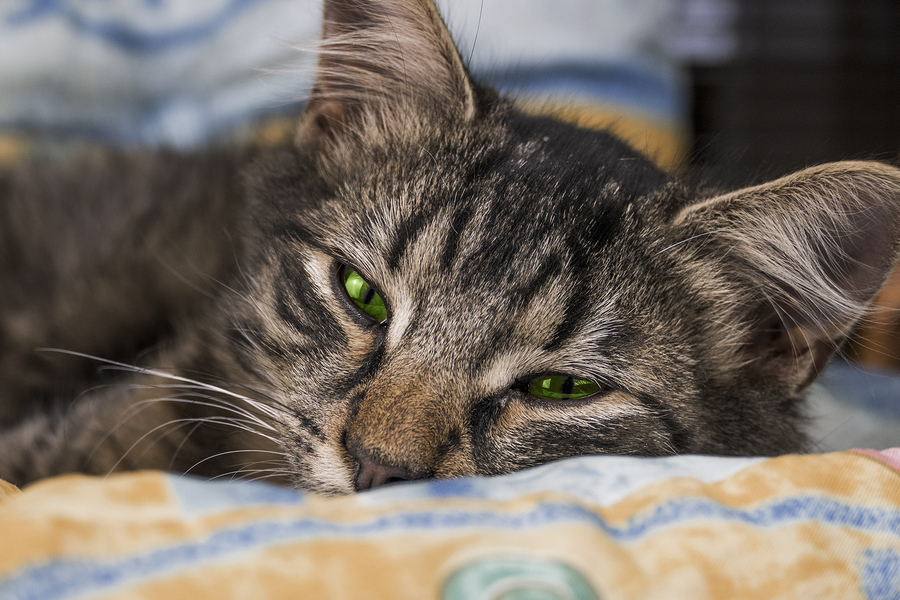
pixel 429 283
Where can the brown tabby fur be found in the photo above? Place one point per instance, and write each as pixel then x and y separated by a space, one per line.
pixel 505 246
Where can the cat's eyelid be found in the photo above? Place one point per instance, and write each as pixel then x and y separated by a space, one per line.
pixel 603 381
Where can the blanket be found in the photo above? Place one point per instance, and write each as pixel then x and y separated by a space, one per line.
pixel 596 527
pixel 185 74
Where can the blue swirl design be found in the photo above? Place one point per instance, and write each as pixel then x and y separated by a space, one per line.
pixel 200 497
pixel 517 578
pixel 66 578
pixel 880 573
pixel 128 36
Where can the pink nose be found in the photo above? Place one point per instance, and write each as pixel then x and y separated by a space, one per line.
pixel 372 473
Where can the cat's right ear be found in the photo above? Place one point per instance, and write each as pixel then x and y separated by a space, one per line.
pixel 792 265
pixel 384 64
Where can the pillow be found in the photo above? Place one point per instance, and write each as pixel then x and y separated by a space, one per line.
pixel 817 526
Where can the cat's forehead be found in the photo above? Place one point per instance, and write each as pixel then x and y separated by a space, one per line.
pixel 539 188
pixel 502 256
pixel 528 241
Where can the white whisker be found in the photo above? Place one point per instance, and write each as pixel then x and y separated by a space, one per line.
pixel 694 237
pixel 226 453
pixel 163 375
pixel 251 469
pixel 182 443
pixel 211 402
pixel 178 424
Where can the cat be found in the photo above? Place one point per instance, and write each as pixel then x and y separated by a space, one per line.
pixel 424 283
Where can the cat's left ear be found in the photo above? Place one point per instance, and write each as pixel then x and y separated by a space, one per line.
pixel 384 62
pixel 794 263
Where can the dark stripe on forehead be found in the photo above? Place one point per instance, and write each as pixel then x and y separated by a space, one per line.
pixel 577 310
pixel 295 232
pixel 550 266
pixel 407 233
pixel 586 251
pixel 518 300
pixel 451 244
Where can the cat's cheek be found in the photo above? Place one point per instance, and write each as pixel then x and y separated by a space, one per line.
pixel 331 471
pixel 322 468
pixel 538 425
pixel 312 438
pixel 459 462
pixel 360 346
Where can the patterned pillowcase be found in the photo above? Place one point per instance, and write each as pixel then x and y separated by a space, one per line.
pixel 816 526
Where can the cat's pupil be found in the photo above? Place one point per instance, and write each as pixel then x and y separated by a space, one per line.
pixel 561 387
pixel 363 295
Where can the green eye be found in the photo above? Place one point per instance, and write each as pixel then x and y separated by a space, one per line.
pixel 363 296
pixel 561 387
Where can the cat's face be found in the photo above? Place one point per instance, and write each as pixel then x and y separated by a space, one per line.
pixel 441 286
pixel 501 269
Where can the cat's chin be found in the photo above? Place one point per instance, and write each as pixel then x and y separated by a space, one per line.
pixel 322 480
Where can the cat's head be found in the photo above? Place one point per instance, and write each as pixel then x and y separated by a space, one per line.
pixel 441 286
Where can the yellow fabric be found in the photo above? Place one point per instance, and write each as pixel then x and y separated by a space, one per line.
pixel 8 490
pixel 666 144
pixel 803 527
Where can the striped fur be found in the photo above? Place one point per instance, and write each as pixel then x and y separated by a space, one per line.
pixel 505 246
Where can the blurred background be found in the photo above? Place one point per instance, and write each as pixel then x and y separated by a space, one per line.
pixel 781 85
pixel 735 91
pixel 742 89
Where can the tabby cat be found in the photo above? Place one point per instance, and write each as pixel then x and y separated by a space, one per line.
pixel 424 283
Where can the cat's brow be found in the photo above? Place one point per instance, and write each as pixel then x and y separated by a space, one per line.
pixel 577 308
pixel 451 243
pixel 407 233
pixel 549 267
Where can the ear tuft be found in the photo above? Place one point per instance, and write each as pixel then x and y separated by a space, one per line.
pixel 805 253
pixel 384 62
